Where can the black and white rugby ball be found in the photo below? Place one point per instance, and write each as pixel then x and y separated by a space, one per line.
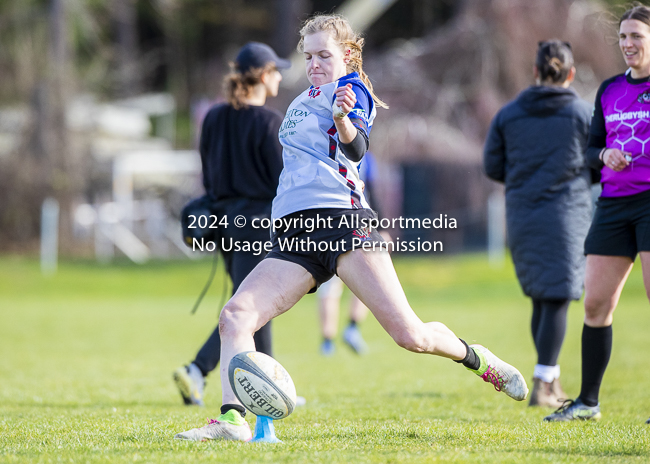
pixel 262 385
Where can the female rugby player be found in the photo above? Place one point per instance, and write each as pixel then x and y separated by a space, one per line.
pixel 324 136
pixel 621 226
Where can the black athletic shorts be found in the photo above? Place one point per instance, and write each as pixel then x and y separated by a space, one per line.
pixel 621 226
pixel 317 237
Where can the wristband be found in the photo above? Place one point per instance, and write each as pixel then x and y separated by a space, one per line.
pixel 337 111
pixel 601 154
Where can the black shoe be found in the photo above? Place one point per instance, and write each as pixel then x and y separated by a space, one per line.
pixel 574 410
pixel 190 383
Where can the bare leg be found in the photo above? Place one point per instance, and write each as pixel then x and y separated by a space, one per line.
pixel 329 316
pixel 272 288
pixel 329 298
pixel 372 277
pixel 604 281
pixel 359 311
pixel 645 263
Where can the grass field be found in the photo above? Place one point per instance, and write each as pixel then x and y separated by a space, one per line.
pixel 86 359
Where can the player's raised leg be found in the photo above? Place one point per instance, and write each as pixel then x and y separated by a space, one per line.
pixel 272 288
pixel 372 277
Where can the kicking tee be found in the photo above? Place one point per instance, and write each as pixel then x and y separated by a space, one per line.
pixel 316 173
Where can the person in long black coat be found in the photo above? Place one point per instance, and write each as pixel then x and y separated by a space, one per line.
pixel 536 146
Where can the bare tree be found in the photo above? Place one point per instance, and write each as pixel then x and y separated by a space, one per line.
pixel 126 47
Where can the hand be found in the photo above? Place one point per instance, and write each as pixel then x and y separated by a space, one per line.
pixel 615 159
pixel 345 100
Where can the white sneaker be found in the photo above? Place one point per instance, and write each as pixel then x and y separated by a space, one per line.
pixel 220 429
pixel 352 336
pixel 190 383
pixel 502 375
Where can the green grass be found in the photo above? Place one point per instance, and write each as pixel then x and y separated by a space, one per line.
pixel 86 359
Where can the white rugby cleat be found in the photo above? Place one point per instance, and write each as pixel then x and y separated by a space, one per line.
pixel 502 375
pixel 220 429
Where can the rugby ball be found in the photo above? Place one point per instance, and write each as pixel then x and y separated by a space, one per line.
pixel 262 385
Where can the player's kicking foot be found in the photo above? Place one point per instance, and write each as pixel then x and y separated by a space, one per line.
pixel 229 426
pixel 190 383
pixel 502 375
pixel 574 410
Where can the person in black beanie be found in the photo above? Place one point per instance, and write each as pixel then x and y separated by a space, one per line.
pixel 241 158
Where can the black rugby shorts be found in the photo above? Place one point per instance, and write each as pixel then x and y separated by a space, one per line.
pixel 318 250
pixel 621 226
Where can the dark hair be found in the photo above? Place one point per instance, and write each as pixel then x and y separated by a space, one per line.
pixel 639 12
pixel 237 85
pixel 554 60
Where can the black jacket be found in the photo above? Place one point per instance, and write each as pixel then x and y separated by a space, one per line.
pixel 240 153
pixel 536 146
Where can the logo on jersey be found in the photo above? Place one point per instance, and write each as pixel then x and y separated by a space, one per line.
pixel 291 120
pixel 313 93
pixel 361 113
pixel 363 233
pixel 616 117
pixel 644 97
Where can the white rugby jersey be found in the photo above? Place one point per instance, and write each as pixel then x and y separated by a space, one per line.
pixel 316 173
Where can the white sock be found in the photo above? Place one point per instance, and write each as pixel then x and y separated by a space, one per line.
pixel 546 373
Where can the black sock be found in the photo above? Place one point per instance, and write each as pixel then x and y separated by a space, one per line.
pixel 534 320
pixel 471 359
pixel 550 330
pixel 596 350
pixel 227 407
pixel 352 323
